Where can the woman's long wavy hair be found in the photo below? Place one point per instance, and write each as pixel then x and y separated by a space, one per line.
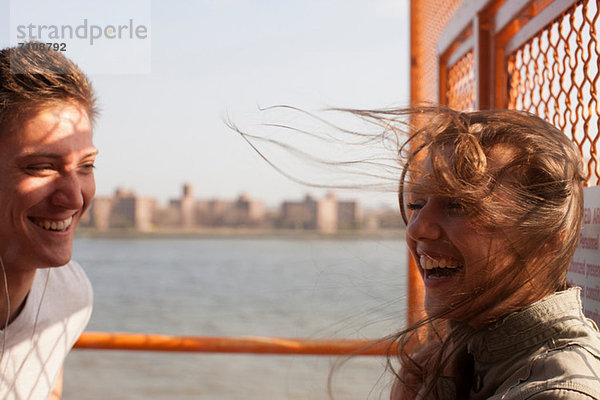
pixel 533 200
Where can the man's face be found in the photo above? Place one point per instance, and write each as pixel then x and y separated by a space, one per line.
pixel 46 184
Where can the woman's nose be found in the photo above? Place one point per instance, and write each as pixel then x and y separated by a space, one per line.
pixel 425 223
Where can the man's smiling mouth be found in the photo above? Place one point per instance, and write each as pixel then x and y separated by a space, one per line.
pixel 52 225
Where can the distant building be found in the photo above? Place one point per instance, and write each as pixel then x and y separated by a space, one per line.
pixel 350 215
pixel 246 212
pixel 383 219
pixel 100 212
pixel 167 217
pixel 326 215
pixel 190 213
pixel 123 210
pixel 299 215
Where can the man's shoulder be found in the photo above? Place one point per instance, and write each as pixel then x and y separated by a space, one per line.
pixel 70 283
pixel 72 271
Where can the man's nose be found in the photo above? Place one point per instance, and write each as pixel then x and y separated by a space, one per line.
pixel 67 193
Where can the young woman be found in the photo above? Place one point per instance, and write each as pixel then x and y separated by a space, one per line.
pixel 493 206
pixel 493 203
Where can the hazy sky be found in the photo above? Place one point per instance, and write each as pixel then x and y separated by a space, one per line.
pixel 163 99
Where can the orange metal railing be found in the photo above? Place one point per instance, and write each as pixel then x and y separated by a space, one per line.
pixel 245 345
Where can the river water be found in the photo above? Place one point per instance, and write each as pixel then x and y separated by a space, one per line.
pixel 353 288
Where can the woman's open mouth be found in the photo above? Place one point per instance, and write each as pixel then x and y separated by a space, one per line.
pixel 438 268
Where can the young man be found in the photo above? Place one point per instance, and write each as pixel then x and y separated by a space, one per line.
pixel 47 109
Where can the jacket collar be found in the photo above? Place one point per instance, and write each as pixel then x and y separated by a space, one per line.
pixel 529 328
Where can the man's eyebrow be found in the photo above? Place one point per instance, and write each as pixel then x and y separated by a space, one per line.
pixel 92 153
pixel 56 155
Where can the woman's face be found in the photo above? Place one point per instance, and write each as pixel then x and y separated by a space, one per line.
pixel 453 254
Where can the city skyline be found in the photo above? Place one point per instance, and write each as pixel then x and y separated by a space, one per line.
pixel 271 205
pixel 327 215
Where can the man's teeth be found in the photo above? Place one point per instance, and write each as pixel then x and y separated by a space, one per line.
pixel 430 263
pixel 54 225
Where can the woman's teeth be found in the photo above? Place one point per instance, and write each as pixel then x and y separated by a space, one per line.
pixel 53 225
pixel 428 263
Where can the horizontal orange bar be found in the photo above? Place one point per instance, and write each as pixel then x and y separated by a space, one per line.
pixel 241 345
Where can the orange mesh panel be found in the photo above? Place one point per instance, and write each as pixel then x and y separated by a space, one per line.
pixel 460 93
pixel 428 20
pixel 556 76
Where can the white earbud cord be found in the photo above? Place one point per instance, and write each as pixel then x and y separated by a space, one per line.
pixel 35 322
pixel 7 310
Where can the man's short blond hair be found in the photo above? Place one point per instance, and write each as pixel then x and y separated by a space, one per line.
pixel 32 79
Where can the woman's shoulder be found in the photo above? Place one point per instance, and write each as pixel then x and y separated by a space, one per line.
pixel 566 361
pixel 567 371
